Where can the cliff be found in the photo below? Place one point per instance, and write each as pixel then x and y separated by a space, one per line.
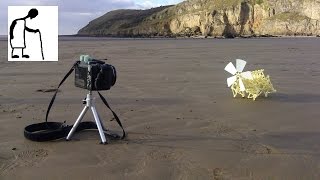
pixel 227 18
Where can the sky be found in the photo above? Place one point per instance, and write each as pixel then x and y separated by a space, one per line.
pixel 75 14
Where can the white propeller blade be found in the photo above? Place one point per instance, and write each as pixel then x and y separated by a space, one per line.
pixel 231 69
pixel 242 88
pixel 247 75
pixel 240 64
pixel 231 80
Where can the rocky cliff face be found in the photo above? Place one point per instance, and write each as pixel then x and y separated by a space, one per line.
pixel 227 18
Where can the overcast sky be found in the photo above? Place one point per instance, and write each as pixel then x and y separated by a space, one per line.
pixel 74 14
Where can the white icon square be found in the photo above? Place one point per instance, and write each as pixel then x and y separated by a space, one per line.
pixel 32 33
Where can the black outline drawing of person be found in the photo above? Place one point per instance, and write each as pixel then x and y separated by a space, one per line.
pixel 18 30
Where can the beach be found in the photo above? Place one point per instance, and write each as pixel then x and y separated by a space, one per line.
pixel 180 116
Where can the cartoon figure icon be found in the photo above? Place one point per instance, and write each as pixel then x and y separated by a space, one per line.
pixel 18 30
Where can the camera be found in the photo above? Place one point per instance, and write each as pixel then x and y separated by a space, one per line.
pixel 94 75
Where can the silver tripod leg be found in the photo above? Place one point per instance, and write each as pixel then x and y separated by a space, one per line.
pixel 89 101
pixel 99 125
pixel 76 124
pixel 102 124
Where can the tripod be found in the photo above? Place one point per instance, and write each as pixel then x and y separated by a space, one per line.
pixel 89 104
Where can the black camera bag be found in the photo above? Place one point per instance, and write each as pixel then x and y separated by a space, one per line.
pixel 99 76
pixel 106 78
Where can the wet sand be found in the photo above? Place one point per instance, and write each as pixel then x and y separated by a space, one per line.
pixel 181 119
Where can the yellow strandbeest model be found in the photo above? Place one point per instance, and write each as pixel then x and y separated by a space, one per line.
pixel 250 83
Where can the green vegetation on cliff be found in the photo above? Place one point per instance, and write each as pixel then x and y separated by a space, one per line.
pixel 118 22
pixel 289 16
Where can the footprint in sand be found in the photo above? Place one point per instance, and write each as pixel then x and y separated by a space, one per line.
pixel 32 157
pixel 27 158
pixel 47 90
pixel 257 148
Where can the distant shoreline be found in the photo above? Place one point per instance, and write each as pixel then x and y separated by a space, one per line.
pixel 185 37
pixel 84 37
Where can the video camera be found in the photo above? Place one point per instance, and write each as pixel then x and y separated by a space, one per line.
pixel 94 75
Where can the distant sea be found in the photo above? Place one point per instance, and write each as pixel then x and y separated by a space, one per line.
pixel 3 37
pixel 92 38
pixel 89 38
